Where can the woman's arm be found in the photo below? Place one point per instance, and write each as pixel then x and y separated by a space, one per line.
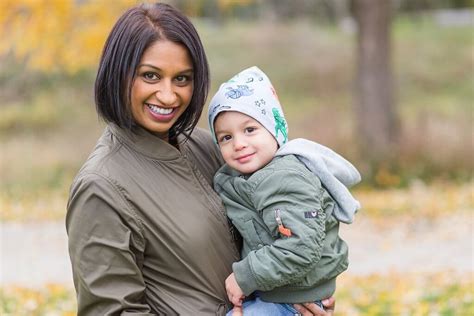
pixel 106 250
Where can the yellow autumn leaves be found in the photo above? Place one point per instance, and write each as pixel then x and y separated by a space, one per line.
pixel 420 294
pixel 67 35
pixel 50 300
pixel 57 35
pixel 414 294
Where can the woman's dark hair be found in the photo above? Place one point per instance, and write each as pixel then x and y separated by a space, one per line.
pixel 136 30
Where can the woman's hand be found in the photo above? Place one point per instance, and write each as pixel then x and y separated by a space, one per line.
pixel 311 309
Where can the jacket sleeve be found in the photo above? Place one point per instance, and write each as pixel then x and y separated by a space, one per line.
pixel 106 250
pixel 287 260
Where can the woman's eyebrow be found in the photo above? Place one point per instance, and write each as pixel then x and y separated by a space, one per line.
pixel 148 65
pixel 188 71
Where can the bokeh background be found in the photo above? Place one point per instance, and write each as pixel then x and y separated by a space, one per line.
pixel 388 84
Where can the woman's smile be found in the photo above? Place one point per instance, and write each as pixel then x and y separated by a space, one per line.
pixel 160 113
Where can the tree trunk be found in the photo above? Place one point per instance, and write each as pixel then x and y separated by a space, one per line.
pixel 375 110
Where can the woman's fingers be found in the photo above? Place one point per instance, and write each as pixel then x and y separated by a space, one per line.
pixel 329 305
pixel 312 309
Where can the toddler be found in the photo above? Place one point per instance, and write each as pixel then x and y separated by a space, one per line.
pixel 286 198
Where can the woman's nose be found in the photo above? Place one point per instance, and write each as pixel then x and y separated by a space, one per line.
pixel 165 94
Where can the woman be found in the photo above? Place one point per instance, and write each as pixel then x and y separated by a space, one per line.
pixel 147 234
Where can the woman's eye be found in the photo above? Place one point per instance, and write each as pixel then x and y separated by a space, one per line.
pixel 150 76
pixel 182 79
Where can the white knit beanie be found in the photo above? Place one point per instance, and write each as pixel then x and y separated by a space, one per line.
pixel 250 92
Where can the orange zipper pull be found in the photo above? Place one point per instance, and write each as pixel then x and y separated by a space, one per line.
pixel 282 229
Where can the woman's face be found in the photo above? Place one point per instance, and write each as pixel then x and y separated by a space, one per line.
pixel 163 87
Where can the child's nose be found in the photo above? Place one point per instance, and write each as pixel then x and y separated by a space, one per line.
pixel 239 143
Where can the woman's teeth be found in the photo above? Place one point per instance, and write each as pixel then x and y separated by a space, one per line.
pixel 159 110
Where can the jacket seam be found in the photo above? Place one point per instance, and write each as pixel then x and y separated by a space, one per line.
pixel 120 191
pixel 124 141
pixel 255 183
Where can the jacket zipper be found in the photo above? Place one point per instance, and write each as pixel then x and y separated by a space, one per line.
pixel 282 229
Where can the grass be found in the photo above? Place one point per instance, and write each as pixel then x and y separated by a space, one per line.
pixel 418 294
pixel 405 294
pixel 416 201
pixel 51 300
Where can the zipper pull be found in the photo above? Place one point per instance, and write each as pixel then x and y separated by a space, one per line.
pixel 282 229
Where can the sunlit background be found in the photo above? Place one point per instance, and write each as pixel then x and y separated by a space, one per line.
pixel 411 245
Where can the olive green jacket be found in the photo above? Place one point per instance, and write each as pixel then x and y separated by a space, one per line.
pixel 295 268
pixel 147 233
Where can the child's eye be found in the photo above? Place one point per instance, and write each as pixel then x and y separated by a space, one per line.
pixel 250 129
pixel 225 138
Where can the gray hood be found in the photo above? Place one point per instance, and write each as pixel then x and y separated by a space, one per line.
pixel 336 173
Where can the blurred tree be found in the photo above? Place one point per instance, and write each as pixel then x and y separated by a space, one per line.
pixel 284 10
pixel 318 10
pixel 374 103
pixel 340 9
pixel 57 35
pixel 216 10
pixel 67 35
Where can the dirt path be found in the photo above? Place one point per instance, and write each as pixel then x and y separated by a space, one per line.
pixel 36 253
pixel 411 246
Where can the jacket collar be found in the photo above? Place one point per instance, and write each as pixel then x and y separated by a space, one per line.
pixel 147 143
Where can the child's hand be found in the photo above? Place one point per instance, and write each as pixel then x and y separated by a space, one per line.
pixel 234 292
pixel 237 311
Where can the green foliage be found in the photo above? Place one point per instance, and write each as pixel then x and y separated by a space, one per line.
pixel 418 5
pixel 40 115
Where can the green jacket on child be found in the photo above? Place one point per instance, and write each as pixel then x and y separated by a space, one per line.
pixel 284 267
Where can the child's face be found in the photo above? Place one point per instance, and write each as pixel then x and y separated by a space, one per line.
pixel 245 144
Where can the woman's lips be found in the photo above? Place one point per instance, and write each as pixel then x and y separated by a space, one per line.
pixel 159 113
